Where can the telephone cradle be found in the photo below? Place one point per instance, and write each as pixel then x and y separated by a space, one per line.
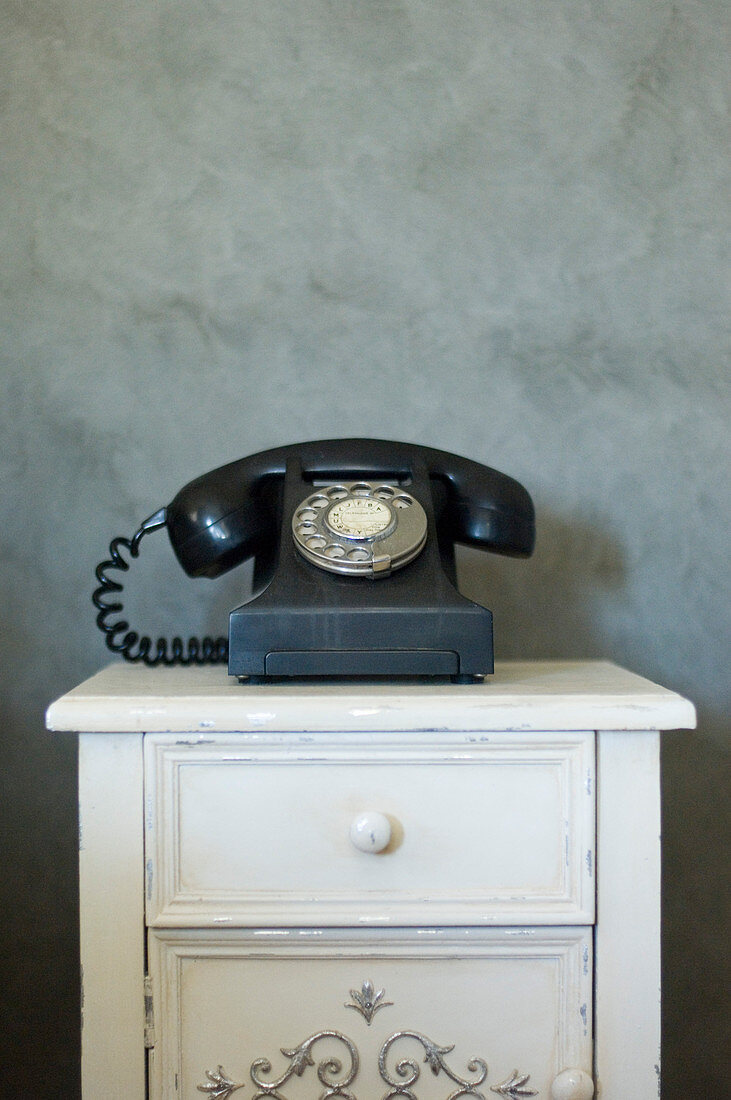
pixel 354 561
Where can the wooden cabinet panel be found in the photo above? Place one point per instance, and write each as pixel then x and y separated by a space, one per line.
pixel 454 1010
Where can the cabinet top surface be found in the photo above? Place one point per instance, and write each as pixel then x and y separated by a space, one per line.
pixel 522 695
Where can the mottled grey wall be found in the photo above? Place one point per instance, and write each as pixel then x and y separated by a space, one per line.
pixel 492 227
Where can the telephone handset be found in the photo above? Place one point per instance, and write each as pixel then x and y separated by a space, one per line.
pixel 323 521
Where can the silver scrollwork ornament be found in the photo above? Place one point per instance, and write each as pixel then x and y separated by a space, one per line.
pixel 400 1078
pixel 407 1070
pixel 300 1058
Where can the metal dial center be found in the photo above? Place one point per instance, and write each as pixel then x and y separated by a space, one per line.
pixel 359 517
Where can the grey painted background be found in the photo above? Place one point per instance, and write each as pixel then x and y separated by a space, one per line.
pixel 495 228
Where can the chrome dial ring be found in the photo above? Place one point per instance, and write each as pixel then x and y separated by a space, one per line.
pixel 360 528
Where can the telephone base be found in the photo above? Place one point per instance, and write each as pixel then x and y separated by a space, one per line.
pixel 268 642
pixel 308 621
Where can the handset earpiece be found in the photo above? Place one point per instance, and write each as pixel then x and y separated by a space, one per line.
pixel 486 508
pixel 220 519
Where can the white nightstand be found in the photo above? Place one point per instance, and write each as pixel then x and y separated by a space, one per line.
pixel 370 890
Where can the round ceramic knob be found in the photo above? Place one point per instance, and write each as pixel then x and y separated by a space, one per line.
pixel 371 832
pixel 572 1084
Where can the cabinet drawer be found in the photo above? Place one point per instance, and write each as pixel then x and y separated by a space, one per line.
pixel 458 1013
pixel 484 829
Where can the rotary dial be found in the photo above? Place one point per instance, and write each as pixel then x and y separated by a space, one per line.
pixel 360 528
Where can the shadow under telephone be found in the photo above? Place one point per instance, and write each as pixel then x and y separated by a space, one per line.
pixel 353 547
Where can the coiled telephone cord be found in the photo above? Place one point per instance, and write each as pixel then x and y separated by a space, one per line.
pixel 132 646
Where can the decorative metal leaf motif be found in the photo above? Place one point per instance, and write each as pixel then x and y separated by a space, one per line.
pixel 368 1001
pixel 300 1058
pixel 514 1087
pixel 220 1087
pixel 434 1055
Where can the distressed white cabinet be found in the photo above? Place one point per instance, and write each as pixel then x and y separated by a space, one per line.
pixel 370 891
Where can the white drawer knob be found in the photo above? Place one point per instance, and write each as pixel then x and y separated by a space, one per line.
pixel 371 832
pixel 572 1084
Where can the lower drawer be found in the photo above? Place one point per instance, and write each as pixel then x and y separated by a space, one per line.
pixel 428 1014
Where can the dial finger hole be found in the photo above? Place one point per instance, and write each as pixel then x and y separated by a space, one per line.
pixel 334 551
pixel 307 514
pixel 316 542
pixel 317 502
pixel 361 488
pixel 337 492
pixel 358 554
pixel 385 492
pixel 305 529
pixel 402 501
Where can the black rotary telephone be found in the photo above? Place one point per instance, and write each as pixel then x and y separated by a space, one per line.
pixel 353 547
